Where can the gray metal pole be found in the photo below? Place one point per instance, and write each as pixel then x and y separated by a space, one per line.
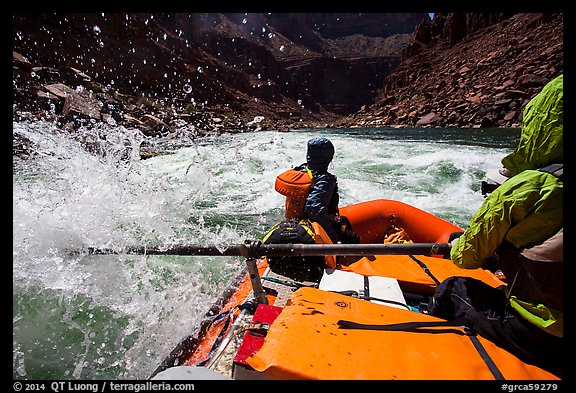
pixel 256 249
pixel 257 288
pixel 352 249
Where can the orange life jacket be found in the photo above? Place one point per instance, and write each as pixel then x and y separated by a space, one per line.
pixel 295 186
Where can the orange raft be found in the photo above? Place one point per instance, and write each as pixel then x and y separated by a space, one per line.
pixel 372 219
pixel 320 334
pixel 309 339
pixel 415 273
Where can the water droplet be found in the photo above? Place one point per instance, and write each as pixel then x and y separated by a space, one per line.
pixel 110 120
pixel 187 88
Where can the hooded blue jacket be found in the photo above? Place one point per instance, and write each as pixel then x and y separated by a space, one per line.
pixel 323 198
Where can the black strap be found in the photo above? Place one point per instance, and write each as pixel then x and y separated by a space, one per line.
pixel 366 286
pixel 260 328
pixel 404 326
pixel 554 169
pixel 425 268
pixel 293 284
pixel 415 326
pixel 356 295
pixel 486 357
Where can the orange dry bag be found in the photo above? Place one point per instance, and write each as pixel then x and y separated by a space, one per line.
pixel 295 186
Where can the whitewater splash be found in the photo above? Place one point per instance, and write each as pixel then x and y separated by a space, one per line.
pixel 79 316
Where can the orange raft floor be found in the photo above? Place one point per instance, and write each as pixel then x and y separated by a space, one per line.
pixel 307 341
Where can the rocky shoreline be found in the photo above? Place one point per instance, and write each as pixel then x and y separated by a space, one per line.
pixel 72 99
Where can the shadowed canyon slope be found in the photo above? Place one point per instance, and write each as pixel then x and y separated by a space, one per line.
pixel 235 67
pixel 202 73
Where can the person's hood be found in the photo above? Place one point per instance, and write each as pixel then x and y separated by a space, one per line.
pixel 319 154
pixel 542 136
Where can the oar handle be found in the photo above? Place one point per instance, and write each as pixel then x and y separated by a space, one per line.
pixel 256 249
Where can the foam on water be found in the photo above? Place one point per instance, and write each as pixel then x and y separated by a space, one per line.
pixel 118 316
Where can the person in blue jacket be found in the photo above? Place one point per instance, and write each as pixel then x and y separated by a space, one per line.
pixel 322 202
pixel 323 199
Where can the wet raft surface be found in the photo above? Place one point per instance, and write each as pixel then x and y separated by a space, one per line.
pixel 278 288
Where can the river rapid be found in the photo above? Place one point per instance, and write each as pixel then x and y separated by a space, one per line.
pixel 81 316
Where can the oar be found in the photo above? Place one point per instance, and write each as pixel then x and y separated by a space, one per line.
pixel 256 249
pixel 185 249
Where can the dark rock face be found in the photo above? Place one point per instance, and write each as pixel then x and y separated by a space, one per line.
pixel 469 70
pixel 189 69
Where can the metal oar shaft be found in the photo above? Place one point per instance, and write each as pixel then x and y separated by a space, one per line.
pixel 355 249
pixel 256 249
pixel 190 249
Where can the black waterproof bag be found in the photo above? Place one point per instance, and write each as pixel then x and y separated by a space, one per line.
pixel 294 231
